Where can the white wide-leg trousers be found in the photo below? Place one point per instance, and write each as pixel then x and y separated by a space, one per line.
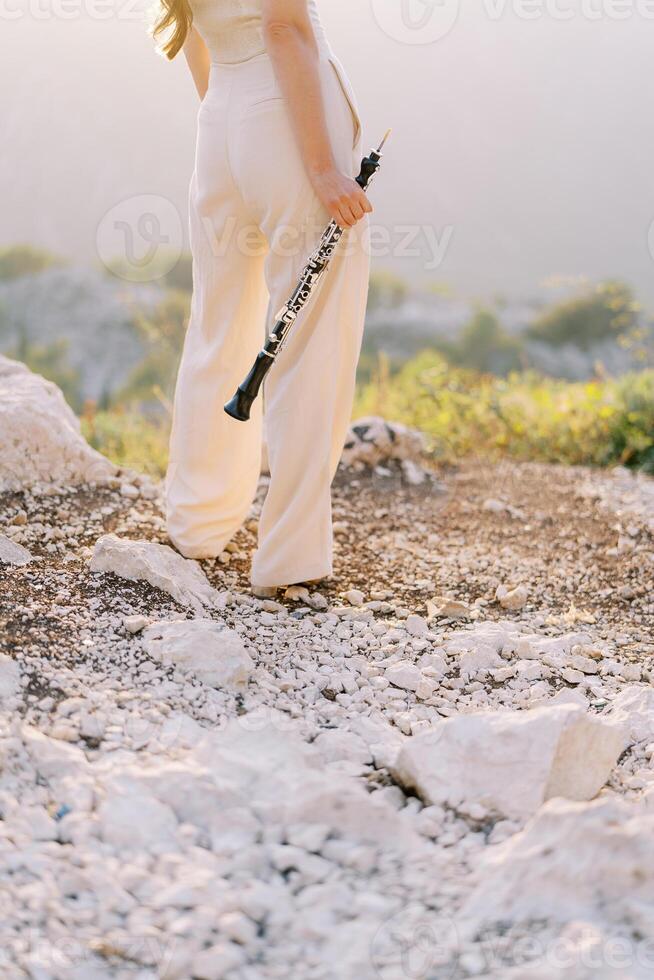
pixel 254 221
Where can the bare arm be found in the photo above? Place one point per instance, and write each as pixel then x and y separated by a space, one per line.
pixel 197 56
pixel 291 44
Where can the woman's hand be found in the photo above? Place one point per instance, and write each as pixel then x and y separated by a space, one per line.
pixel 341 196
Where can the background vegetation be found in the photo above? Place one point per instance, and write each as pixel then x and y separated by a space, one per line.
pixel 472 390
pixel 523 415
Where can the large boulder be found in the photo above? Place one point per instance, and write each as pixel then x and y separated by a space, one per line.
pixel 210 651
pixel 633 710
pixel 267 764
pixel 9 677
pixel 511 762
pixel 40 438
pixel 256 772
pixel 130 819
pixel 372 440
pixel 160 566
pixel 584 951
pixel 572 861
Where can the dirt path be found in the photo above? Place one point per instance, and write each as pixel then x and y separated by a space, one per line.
pixel 461 535
pixel 92 802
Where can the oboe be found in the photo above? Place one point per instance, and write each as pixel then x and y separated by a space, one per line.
pixel 240 405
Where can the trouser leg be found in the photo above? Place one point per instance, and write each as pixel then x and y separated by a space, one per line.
pixel 309 391
pixel 215 462
pixel 308 405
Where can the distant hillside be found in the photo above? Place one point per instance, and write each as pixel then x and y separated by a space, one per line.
pixel 91 313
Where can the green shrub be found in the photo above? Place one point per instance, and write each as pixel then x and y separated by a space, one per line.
pixel 50 361
pixel 386 290
pixel 524 415
pixel 162 331
pixel 462 412
pixel 129 438
pixel 25 260
pixel 632 435
pixel 181 275
pixel 609 310
pixel 484 345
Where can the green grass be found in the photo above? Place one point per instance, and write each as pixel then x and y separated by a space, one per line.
pixel 129 438
pixel 525 416
pixel 462 412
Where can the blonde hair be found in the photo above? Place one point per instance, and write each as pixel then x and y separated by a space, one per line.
pixel 174 19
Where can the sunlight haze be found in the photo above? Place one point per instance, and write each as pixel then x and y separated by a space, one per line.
pixel 523 145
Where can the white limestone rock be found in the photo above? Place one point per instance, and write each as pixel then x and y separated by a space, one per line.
pixel 216 962
pixel 318 602
pixel 416 625
pixel 590 861
pixel 569 696
pixel 404 674
pixel 9 677
pixel 572 676
pixel 382 739
pixel 338 745
pixel 483 660
pixel 130 820
pixel 434 665
pixel 53 759
pixel 484 636
pixel 38 823
pixel 512 598
pixel 511 762
pixel 281 779
pixel 186 788
pixel 585 951
pixel 495 506
pixel 414 474
pixel 448 608
pixel 372 440
pixel 12 553
pixel 253 774
pixel 136 623
pixel 556 649
pixel 40 438
pixel 633 710
pixel 210 651
pixel 182 578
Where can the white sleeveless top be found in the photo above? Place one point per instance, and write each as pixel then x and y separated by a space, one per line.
pixel 233 29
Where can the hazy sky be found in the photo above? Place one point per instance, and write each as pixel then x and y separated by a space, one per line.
pixel 523 146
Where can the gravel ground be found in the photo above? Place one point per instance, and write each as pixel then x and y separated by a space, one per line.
pixel 102 876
